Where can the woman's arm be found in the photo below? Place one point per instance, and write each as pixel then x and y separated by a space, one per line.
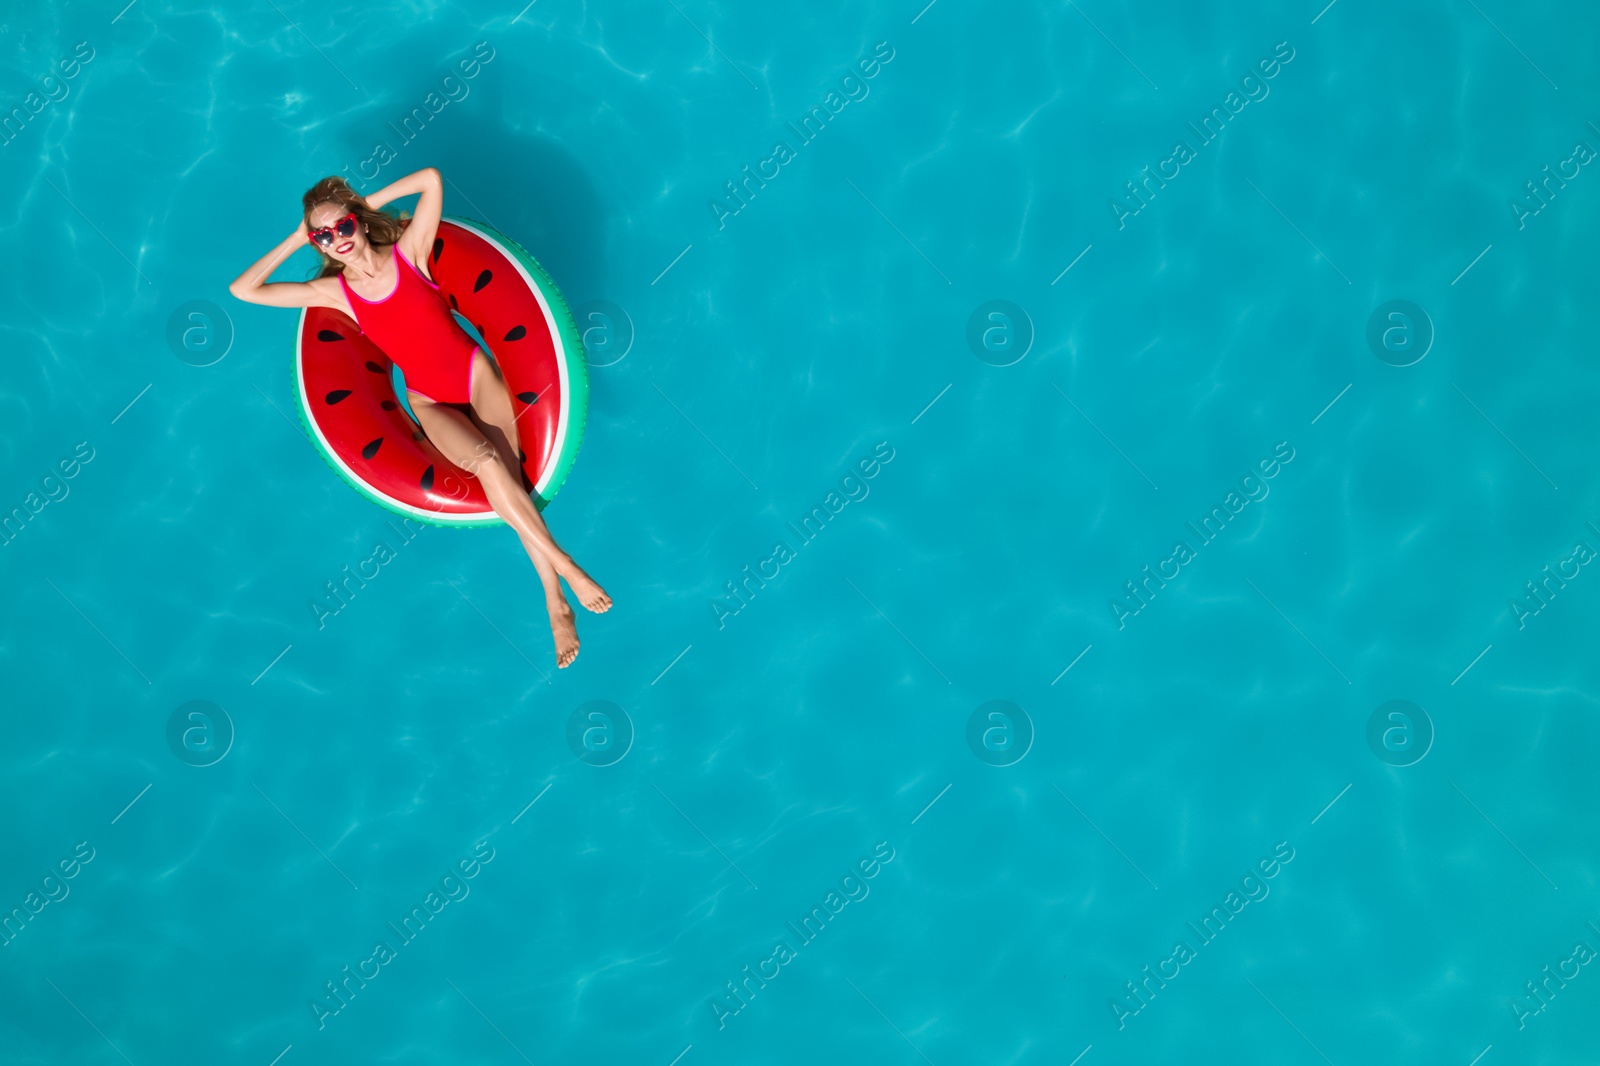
pixel 252 287
pixel 418 237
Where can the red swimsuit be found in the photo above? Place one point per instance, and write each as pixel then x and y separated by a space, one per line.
pixel 416 329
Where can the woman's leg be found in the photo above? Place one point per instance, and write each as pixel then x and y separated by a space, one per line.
pixel 455 435
pixel 490 411
pixel 562 624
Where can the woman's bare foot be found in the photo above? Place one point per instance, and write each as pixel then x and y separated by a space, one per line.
pixel 591 595
pixel 565 629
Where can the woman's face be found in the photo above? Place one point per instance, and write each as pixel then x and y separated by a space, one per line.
pixel 342 248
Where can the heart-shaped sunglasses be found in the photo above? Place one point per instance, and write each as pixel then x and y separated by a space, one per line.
pixel 346 227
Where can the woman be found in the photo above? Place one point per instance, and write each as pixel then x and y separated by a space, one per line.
pixel 458 393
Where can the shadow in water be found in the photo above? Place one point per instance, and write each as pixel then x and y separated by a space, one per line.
pixel 527 186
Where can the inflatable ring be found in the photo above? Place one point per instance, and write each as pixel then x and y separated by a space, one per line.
pixel 345 384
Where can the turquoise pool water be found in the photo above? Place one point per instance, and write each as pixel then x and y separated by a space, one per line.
pixel 1071 738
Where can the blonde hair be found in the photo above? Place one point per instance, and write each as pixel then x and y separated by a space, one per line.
pixel 382 229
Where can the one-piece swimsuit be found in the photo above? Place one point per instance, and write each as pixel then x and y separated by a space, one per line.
pixel 415 328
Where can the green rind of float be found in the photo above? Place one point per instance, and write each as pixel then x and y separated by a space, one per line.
pixel 577 396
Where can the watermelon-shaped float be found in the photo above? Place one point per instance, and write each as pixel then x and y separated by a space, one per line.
pixel 346 391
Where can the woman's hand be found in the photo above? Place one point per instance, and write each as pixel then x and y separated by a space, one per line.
pixel 302 232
